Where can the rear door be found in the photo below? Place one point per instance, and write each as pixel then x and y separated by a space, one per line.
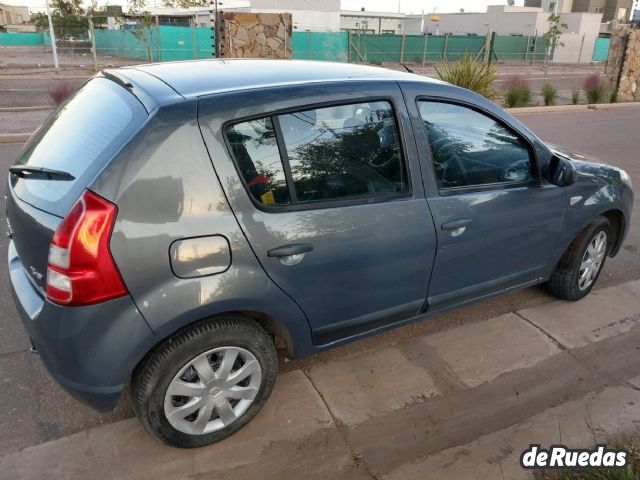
pixel 327 189
pixel 79 138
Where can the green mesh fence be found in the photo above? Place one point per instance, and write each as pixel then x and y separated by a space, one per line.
pixel 601 50
pixel 433 48
pixel 15 38
pixel 158 44
pixel 320 46
pixel 167 43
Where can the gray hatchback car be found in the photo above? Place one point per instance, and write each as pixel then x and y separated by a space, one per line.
pixel 174 224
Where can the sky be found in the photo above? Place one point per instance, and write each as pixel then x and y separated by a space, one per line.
pixel 407 6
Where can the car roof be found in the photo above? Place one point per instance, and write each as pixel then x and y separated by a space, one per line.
pixel 204 77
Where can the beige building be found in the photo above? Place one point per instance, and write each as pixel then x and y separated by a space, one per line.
pixel 611 10
pixel 14 18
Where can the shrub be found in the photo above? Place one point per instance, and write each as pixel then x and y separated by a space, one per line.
pixel 518 92
pixel 549 94
pixel 471 74
pixel 594 88
pixel 613 96
pixel 575 96
pixel 60 91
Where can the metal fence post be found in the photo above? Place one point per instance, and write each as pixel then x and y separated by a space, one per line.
pixel 581 47
pixel 487 48
pixel 349 46
pixel 92 37
pixel 444 48
pixel 526 49
pixel 194 38
pixel 52 37
pixel 424 50
pixel 402 48
pixel 158 58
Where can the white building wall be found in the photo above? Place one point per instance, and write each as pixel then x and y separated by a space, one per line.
pixel 503 23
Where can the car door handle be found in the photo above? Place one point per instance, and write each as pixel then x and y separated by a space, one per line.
pixel 456 224
pixel 289 250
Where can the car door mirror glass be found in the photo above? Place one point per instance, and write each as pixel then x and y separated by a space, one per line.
pixel 560 172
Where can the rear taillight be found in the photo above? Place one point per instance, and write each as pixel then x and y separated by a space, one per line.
pixel 81 270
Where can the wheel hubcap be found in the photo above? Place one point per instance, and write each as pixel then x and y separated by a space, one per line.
pixel 212 390
pixel 592 261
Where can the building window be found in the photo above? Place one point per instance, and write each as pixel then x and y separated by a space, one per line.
pixel 388 32
pixel 622 15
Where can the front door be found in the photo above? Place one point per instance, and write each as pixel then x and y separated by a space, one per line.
pixel 332 203
pixel 497 222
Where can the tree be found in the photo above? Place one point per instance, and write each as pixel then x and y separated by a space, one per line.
pixel 142 29
pixel 552 37
pixel 68 18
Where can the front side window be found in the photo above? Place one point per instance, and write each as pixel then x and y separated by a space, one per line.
pixel 470 149
pixel 345 152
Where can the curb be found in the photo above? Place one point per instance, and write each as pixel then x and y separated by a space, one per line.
pixel 14 137
pixel 39 108
pixel 573 108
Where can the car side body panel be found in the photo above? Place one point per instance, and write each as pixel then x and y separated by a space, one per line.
pixel 166 190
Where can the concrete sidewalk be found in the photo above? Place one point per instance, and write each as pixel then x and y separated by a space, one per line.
pixel 459 404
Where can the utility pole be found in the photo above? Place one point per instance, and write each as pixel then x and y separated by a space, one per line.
pixel 215 23
pixel 52 36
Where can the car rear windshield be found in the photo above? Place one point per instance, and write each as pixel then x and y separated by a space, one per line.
pixel 79 138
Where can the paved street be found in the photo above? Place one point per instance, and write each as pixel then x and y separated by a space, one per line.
pixel 36 410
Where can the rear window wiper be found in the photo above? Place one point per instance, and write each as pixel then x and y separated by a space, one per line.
pixel 40 173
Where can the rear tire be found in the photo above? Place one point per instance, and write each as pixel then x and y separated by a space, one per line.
pixel 580 266
pixel 205 382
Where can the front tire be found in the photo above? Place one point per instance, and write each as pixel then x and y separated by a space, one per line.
pixel 205 382
pixel 580 266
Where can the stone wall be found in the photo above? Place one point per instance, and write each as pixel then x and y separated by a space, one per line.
pixel 623 63
pixel 629 87
pixel 254 35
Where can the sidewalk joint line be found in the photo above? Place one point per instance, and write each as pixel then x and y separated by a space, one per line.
pixel 557 342
pixel 587 365
pixel 8 354
pixel 356 456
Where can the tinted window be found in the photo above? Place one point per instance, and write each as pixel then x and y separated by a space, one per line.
pixel 79 138
pixel 344 152
pixel 255 150
pixel 471 149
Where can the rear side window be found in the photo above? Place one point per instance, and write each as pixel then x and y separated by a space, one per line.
pixel 255 149
pixel 346 152
pixel 79 138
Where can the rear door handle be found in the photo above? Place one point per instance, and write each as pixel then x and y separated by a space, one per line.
pixel 456 224
pixel 289 250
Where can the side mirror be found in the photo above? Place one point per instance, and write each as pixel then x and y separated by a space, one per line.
pixel 560 172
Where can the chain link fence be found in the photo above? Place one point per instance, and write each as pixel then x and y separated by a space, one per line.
pixel 30 83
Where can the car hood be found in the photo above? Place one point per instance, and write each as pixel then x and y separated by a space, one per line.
pixel 590 167
pixel 573 155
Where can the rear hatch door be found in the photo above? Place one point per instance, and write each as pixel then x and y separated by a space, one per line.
pixel 79 138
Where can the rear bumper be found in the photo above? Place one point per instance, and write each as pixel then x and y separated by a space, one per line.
pixel 90 351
